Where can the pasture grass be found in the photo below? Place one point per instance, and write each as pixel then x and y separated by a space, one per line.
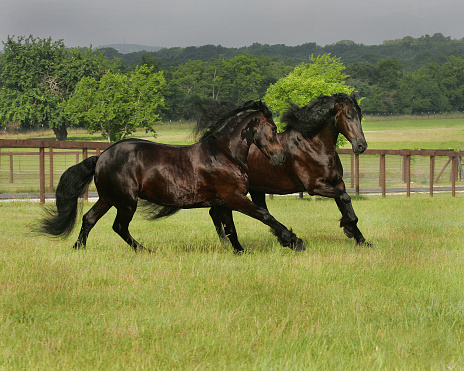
pixel 193 304
pixel 169 133
pixel 412 133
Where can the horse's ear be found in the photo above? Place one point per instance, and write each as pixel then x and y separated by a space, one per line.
pixel 353 96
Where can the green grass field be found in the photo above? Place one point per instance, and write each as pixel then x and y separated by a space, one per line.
pixel 412 133
pixel 193 304
pixel 398 304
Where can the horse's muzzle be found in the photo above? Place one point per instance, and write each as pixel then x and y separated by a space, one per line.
pixel 359 146
pixel 277 159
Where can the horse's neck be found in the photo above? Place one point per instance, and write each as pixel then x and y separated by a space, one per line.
pixel 240 141
pixel 325 140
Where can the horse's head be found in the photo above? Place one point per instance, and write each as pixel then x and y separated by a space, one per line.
pixel 264 135
pixel 348 121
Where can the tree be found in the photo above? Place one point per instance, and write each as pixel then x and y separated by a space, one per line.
pixel 420 91
pixel 237 79
pixel 117 104
pixel 38 75
pixel 389 73
pixel 377 84
pixel 307 81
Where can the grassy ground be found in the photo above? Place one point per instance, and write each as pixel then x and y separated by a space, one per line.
pixel 170 133
pixel 194 305
pixel 407 132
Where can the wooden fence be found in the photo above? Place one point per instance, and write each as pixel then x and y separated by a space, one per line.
pixel 356 166
pixel 454 163
pixel 47 148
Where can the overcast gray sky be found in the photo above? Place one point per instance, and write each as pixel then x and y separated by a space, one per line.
pixel 231 23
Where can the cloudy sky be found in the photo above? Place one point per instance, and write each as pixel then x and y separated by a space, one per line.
pixel 231 23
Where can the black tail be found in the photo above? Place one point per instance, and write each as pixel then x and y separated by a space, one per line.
pixel 153 211
pixel 60 220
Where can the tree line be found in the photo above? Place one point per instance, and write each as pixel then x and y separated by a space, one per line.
pixel 45 83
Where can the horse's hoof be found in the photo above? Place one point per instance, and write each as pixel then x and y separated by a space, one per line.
pixel 239 252
pixel 299 245
pixel 78 245
pixel 364 243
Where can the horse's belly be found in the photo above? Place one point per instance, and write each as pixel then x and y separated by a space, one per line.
pixel 182 192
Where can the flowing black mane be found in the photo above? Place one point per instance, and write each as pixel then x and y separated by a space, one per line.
pixel 312 118
pixel 215 116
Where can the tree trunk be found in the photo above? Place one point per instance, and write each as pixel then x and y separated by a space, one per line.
pixel 61 132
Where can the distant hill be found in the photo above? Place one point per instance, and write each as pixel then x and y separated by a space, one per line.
pixel 413 53
pixel 130 48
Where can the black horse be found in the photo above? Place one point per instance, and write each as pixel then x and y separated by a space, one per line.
pixel 312 163
pixel 212 172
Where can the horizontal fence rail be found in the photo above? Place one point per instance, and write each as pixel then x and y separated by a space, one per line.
pixel 31 166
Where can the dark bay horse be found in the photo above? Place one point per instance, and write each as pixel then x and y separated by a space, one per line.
pixel 312 163
pixel 212 172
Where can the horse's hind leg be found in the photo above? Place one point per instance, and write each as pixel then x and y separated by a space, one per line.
pixel 216 215
pixel 349 219
pixel 121 225
pixel 259 198
pixel 225 226
pixel 89 220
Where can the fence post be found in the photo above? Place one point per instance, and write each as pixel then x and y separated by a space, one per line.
pixel 454 167
pixel 356 160
pixel 11 169
pixel 407 173
pixel 84 156
pixel 432 174
pixel 352 171
pixel 42 174
pixel 50 188
pixel 382 176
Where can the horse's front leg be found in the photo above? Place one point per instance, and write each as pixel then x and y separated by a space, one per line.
pixel 285 236
pixel 349 220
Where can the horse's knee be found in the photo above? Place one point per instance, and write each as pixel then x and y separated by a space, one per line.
pixel 345 198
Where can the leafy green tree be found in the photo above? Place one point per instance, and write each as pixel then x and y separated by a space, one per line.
pixel 421 91
pixel 324 75
pixel 185 83
pixel 38 75
pixel 452 82
pixel 241 78
pixel 236 79
pixel 377 84
pixel 389 73
pixel 117 104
